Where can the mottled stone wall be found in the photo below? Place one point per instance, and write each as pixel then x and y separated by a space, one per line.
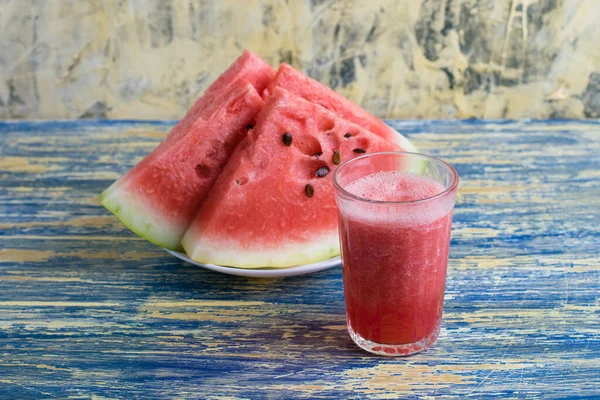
pixel 399 59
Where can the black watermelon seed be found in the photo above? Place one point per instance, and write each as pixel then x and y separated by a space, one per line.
pixel 322 172
pixel 317 154
pixel 249 126
pixel 287 139
pixel 347 135
pixel 310 190
pixel 337 158
pixel 359 151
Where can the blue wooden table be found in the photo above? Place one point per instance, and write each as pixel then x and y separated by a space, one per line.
pixel 89 309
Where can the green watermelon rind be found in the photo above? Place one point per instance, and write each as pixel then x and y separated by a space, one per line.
pixel 403 142
pixel 418 166
pixel 139 219
pixel 286 256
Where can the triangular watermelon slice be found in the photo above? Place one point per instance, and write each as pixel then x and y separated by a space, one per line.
pixel 159 197
pixel 301 85
pixel 273 204
pixel 247 68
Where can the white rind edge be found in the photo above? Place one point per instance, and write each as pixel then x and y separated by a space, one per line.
pixel 403 142
pixel 263 273
pixel 203 251
pixel 417 166
pixel 139 218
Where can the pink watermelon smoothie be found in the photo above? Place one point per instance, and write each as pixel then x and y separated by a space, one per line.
pixel 394 266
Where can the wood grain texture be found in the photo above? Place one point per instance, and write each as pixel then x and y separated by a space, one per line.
pixel 87 309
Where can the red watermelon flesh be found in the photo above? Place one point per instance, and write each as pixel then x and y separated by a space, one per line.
pixel 301 85
pixel 159 197
pixel 248 67
pixel 258 213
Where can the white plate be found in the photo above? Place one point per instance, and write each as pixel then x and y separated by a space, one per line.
pixel 266 272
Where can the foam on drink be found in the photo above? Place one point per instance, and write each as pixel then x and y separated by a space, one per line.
pixel 396 186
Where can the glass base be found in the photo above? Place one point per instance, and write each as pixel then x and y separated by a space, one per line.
pixel 394 349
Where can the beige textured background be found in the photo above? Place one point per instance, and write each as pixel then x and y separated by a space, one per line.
pixel 399 59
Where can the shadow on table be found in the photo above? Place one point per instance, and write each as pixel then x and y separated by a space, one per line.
pixel 303 314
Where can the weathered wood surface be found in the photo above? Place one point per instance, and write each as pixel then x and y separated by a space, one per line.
pixel 88 309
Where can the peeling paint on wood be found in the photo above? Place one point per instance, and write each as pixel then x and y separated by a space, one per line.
pixel 87 309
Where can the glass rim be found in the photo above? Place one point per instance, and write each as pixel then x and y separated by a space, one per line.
pixel 448 190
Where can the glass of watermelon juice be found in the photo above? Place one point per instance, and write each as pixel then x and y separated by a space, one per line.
pixel 395 215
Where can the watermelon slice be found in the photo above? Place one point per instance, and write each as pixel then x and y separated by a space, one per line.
pixel 296 82
pixel 261 212
pixel 248 67
pixel 159 197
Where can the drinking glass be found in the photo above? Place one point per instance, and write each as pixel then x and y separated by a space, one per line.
pixel 395 248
